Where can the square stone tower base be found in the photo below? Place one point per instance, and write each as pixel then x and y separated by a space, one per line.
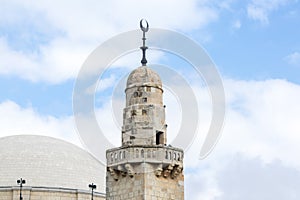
pixel 145 184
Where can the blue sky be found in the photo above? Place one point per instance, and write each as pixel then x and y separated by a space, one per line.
pixel 254 44
pixel 250 49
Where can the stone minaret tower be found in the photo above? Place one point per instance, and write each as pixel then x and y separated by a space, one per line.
pixel 144 168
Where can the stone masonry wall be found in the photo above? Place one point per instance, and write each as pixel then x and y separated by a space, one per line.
pixel 163 188
pixel 145 186
pixel 125 188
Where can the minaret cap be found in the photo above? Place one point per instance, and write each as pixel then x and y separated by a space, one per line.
pixel 143 76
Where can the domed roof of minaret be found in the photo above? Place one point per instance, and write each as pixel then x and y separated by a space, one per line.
pixel 143 76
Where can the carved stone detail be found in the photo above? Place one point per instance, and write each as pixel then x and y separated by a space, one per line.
pixel 159 170
pixel 171 170
pixel 167 171
pixel 129 169
pixel 176 171
pixel 113 173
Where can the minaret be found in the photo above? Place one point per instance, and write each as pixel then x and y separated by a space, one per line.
pixel 144 168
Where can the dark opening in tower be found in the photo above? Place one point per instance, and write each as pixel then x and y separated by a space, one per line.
pixel 159 137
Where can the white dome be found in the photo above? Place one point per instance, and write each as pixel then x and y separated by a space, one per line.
pixel 48 162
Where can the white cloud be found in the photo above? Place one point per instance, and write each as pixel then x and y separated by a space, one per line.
pixel 16 120
pixel 261 132
pixel 106 83
pixel 237 24
pixel 293 59
pixel 240 177
pixel 55 63
pixel 73 28
pixel 259 141
pixel 261 9
pixel 262 119
pixel 258 13
pixel 101 85
pixel 260 138
pixel 249 179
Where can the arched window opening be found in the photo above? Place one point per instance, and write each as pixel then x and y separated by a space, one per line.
pixel 137 153
pixel 159 137
pixel 142 153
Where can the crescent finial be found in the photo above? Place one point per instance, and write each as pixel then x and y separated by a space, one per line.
pixel 144 27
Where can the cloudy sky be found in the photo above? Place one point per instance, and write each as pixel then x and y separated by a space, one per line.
pixel 254 44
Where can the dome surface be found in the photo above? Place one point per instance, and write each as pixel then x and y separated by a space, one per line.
pixel 48 162
pixel 143 76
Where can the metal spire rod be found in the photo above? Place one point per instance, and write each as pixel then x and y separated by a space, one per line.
pixel 144 27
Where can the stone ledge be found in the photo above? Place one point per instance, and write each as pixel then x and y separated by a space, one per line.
pixel 144 154
pixel 49 189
